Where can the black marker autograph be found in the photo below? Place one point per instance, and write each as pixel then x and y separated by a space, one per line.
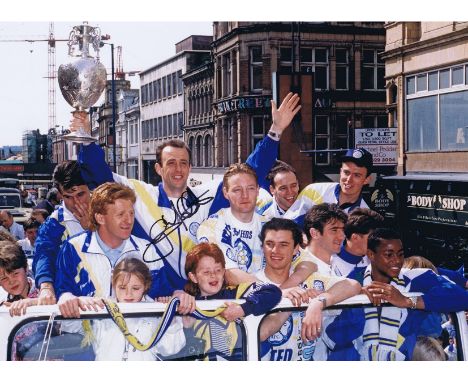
pixel 182 212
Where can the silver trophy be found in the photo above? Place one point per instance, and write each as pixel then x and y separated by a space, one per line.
pixel 83 80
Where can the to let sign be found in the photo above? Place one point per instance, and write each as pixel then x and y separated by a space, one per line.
pixel 380 142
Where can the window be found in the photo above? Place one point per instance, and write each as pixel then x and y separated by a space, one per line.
pixel 169 125
pixel 341 132
pixel 158 90
pixel 438 122
pixel 169 85
pixel 151 92
pixel 132 168
pixel 229 142
pixel 422 124
pixel 322 139
pixel 454 121
pixel 67 340
pixel 164 127
pixel 285 54
pixel 180 123
pixel 258 129
pixel 208 148
pixel 444 77
pixel 410 85
pixel 180 84
pixel 373 70
pixel 227 75
pixel 160 133
pixel 374 121
pixel 156 128
pixel 433 81
pixel 457 76
pixel 174 83
pixel 256 65
pixel 199 150
pixel 342 69
pixel 164 89
pixel 317 59
pixel 421 82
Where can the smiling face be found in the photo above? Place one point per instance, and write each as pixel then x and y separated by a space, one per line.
pixel 174 170
pixel 129 288
pixel 285 189
pixel 387 261
pixel 209 276
pixel 279 249
pixel 15 282
pixel 352 180
pixel 117 223
pixel 332 237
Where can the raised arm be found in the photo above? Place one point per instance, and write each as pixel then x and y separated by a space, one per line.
pixel 265 153
pixel 94 168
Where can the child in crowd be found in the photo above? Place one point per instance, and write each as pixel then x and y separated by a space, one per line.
pixel 205 268
pixel 20 288
pixel 27 244
pixel 131 281
pixel 20 293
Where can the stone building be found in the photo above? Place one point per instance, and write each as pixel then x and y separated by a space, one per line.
pixel 426 72
pixel 348 89
pixel 162 99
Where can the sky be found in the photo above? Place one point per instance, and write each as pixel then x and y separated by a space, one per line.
pixel 147 36
pixel 24 65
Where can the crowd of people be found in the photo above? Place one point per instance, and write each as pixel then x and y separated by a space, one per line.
pixel 253 236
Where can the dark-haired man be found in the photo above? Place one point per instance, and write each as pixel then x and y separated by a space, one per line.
pixel 284 188
pixel 355 173
pixel 353 253
pixel 69 219
pixel 390 332
pixel 236 229
pixel 169 214
pixel 324 227
pixel 289 336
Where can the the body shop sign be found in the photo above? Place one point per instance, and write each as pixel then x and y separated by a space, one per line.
pixel 380 142
pixel 442 209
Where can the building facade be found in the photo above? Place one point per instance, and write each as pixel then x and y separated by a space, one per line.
pixel 426 71
pixel 335 66
pixel 162 99
pixel 37 147
pixel 102 127
pixel 199 122
pixel 127 125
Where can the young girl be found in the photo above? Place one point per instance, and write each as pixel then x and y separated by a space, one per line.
pixel 205 268
pixel 130 281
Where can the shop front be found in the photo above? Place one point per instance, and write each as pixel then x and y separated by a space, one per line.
pixel 431 213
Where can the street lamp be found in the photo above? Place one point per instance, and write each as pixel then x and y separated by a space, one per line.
pixel 114 150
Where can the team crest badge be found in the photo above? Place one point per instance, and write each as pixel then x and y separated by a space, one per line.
pixel 193 228
pixel 284 334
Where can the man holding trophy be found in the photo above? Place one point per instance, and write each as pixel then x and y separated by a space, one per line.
pixel 81 82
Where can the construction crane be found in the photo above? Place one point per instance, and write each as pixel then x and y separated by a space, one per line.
pixel 51 75
pixel 51 71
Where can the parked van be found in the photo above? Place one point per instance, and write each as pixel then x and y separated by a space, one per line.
pixel 10 200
